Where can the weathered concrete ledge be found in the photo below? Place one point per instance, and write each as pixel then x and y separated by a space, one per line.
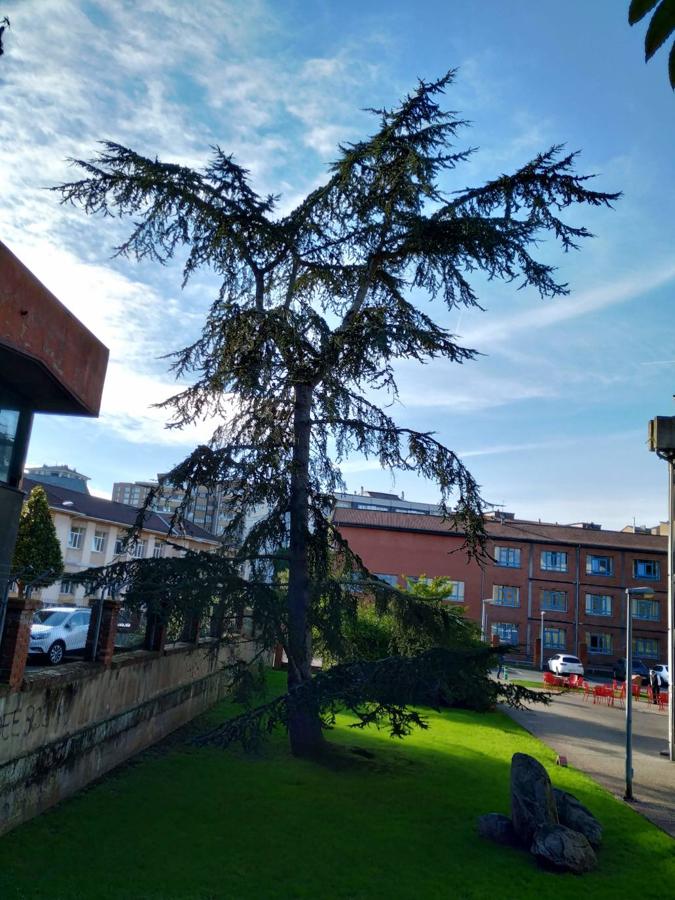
pixel 69 726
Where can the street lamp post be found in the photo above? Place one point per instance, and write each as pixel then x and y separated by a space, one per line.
pixel 541 641
pixel 661 440
pixel 647 594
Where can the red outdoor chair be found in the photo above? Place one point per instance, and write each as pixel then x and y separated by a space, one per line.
pixel 663 701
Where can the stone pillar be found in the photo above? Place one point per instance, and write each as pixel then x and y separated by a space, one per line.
pixel 155 632
pixel 105 646
pixel 15 640
pixel 190 632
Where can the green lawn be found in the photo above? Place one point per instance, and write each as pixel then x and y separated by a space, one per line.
pixel 194 823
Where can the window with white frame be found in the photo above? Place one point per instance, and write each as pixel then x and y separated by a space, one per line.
pixel 646 569
pixel 645 609
pixel 67 587
pixel 75 537
pixel 600 643
pixel 98 543
pixel 158 550
pixel 554 561
pixel 554 638
pixel 505 595
pixel 508 557
pixel 138 549
pixel 646 647
pixel 456 594
pixel 119 546
pixel 599 565
pixel 598 605
pixel 391 580
pixel 506 631
pixel 554 600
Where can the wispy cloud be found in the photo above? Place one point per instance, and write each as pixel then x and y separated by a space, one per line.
pixel 582 303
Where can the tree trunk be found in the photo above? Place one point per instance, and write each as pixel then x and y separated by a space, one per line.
pixel 304 725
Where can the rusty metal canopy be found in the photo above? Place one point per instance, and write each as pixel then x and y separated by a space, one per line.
pixel 47 357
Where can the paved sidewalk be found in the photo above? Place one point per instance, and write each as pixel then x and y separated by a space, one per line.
pixel 593 738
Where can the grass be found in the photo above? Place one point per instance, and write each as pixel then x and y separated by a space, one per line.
pixel 182 823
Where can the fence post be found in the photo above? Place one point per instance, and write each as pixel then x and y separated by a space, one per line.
pixel 155 632
pixel 15 640
pixel 190 632
pixel 102 631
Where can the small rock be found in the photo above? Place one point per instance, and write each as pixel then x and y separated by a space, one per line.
pixel 558 847
pixel 497 827
pixel 577 817
pixel 532 802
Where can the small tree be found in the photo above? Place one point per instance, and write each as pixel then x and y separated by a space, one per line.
pixel 313 311
pixel 37 556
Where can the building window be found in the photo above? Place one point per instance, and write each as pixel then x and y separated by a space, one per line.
pixel 599 565
pixel 555 600
pixel 67 587
pixel 75 538
pixel 645 609
pixel 138 549
pixel 98 544
pixel 503 595
pixel 554 638
pixel 508 633
pixel 456 591
pixel 158 550
pixel 646 569
pixel 119 546
pixel 600 643
pixel 509 557
pixel 554 561
pixel 598 605
pixel 646 647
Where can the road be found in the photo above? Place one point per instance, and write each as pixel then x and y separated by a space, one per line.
pixel 593 738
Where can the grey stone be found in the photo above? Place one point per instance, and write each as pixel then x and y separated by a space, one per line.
pixel 558 847
pixel 576 816
pixel 532 802
pixel 499 828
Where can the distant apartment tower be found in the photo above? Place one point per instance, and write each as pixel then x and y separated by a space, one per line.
pixel 382 502
pixel 208 508
pixel 60 476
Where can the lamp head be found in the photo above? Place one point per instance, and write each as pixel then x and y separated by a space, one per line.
pixel 646 593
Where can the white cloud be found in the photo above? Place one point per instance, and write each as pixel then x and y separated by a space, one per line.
pixel 628 288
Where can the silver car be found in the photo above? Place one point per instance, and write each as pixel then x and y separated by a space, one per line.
pixel 58 630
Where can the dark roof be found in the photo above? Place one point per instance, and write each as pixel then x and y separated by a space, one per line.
pixel 510 529
pixel 109 511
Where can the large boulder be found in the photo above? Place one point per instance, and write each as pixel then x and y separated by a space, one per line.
pixel 532 802
pixel 577 817
pixel 560 848
pixel 499 828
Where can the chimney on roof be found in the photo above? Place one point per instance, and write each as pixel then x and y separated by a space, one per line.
pixel 588 526
pixel 500 515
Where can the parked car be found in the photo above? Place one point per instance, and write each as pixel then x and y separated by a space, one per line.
pixel 565 664
pixel 57 630
pixel 662 669
pixel 639 668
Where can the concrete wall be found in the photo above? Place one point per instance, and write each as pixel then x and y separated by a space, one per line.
pixel 68 726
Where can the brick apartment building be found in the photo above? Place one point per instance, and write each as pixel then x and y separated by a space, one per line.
pixel 575 574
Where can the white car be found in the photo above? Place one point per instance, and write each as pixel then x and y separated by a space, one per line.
pixel 662 670
pixel 564 664
pixel 57 630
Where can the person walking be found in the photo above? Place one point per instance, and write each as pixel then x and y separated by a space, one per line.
pixel 655 685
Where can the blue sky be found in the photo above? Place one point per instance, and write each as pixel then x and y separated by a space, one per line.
pixel 552 419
